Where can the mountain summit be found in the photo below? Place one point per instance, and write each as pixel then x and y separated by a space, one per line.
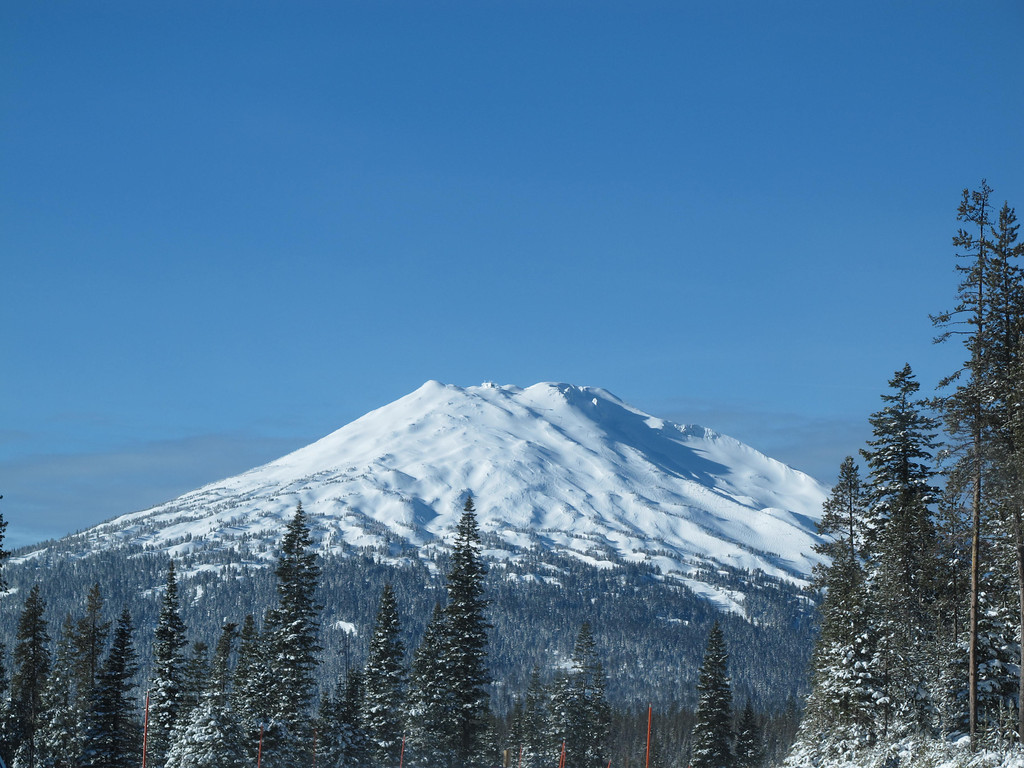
pixel 566 468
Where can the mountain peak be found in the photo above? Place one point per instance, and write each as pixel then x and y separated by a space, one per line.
pixel 554 465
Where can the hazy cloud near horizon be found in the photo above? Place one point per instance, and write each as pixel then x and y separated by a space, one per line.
pixel 51 495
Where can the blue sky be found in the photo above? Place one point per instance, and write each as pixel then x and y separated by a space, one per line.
pixel 230 228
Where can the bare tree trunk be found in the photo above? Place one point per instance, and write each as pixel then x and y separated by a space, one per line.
pixel 972 661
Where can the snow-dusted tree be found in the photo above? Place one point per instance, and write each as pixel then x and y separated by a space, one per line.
pixel 31 667
pixel 59 739
pixel 209 737
pixel 580 713
pixel 165 686
pixel 195 678
pixel 91 632
pixel 538 743
pixel 8 728
pixel 4 554
pixel 712 728
pixel 840 710
pixel 902 575
pixel 351 735
pixel 430 721
pixel 220 671
pixel 295 640
pixel 466 651
pixel 252 690
pixel 384 682
pixel 112 728
pixel 749 740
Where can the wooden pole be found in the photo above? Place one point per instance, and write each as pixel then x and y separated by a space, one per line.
pixel 145 731
pixel 259 751
pixel 401 757
pixel 561 759
pixel 647 760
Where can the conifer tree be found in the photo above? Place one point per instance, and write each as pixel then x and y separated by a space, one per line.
pixel 90 640
pixel 901 552
pixel 165 688
pixel 749 740
pixel 220 673
pixel 31 667
pixel 580 708
pixel 208 737
pixel 59 738
pixel 384 682
pixel 351 735
pixel 252 690
pixel 966 409
pixel 537 742
pixel 4 554
pixel 112 729
pixel 297 626
pixel 195 678
pixel 430 711
pixel 712 729
pixel 466 652
pixel 840 709
pixel 8 726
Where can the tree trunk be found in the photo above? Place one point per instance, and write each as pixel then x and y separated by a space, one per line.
pixel 972 661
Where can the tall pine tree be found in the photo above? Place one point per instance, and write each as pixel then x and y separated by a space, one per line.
pixel 712 728
pixel 384 682
pixel 31 668
pixel 466 651
pixel 168 671
pixel 112 728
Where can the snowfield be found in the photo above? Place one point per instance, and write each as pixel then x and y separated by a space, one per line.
pixel 568 468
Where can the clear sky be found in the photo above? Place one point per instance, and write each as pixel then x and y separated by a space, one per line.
pixel 229 228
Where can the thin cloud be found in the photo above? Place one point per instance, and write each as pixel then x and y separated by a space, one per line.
pixel 48 496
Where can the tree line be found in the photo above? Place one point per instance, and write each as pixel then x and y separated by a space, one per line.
pixel 255 697
pixel 923 597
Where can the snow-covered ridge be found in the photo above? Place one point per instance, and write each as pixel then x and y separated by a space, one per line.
pixel 563 467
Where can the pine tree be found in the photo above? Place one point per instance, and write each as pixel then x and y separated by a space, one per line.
pixel 220 673
pixel 384 683
pixel 90 640
pixel 581 711
pixel 351 734
pixel 466 652
pixel 430 711
pixel 165 692
pixel 537 743
pixel 712 729
pixel 4 554
pixel 59 739
pixel 31 668
pixel 297 626
pixel 209 737
pixel 195 679
pixel 901 554
pixel 749 740
pixel 112 732
pixel 251 696
pixel 8 726
pixel 840 709
pixel 966 409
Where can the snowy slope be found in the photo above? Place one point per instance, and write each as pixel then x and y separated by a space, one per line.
pixel 568 468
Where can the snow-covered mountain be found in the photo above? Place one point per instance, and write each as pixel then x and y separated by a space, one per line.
pixel 567 468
